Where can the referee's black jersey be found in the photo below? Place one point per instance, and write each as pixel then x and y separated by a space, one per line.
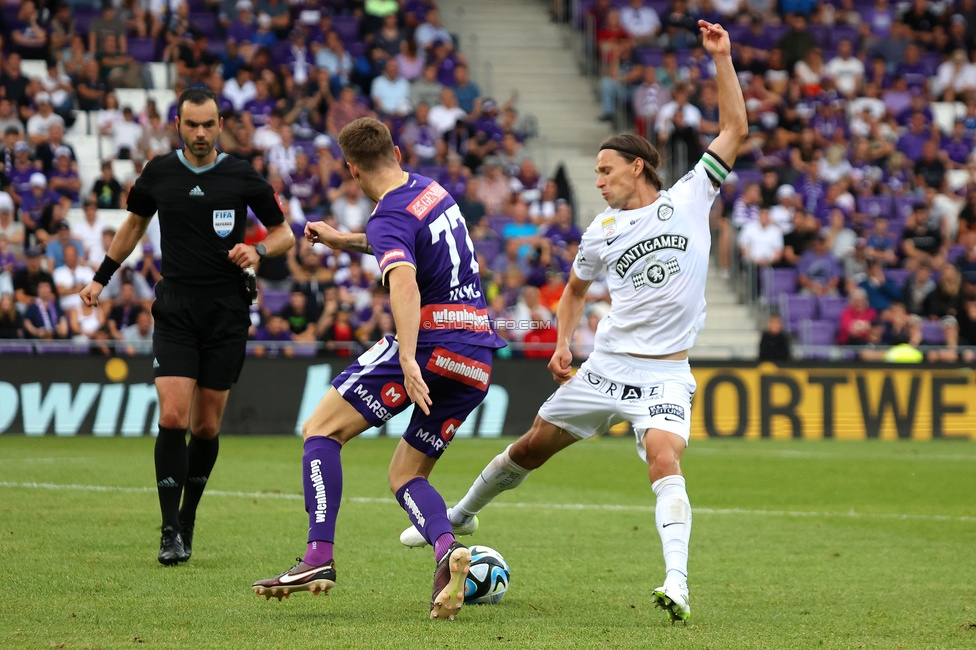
pixel 202 211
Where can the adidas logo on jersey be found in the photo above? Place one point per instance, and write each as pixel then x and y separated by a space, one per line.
pixel 196 191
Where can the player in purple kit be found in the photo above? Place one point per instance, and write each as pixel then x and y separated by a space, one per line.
pixel 440 361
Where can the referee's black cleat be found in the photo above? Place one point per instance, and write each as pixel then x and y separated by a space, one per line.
pixel 171 549
pixel 186 533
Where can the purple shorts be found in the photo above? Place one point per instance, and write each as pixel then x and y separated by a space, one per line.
pixel 458 379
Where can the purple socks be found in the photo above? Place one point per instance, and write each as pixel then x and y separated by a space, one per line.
pixel 322 477
pixel 427 512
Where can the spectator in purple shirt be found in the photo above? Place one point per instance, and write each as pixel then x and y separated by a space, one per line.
pixel 956 147
pixel 910 143
pixel 919 104
pixel 64 177
pixel 912 70
pixel 33 205
pixel 819 272
pixel 454 179
pixel 306 186
pixel 562 230
pixel 276 331
pixel 261 106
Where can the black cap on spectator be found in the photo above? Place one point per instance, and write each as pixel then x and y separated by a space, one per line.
pixel 64 226
pixel 33 252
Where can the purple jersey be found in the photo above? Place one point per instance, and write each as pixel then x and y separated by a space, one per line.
pixel 419 224
pixel 304 187
pixel 260 110
pixel 71 175
pixel 20 178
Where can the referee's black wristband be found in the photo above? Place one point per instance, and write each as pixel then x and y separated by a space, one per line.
pixel 105 270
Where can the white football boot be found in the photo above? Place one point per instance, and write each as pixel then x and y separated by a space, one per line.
pixel 673 598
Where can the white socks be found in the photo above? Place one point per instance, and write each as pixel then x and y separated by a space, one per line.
pixel 673 518
pixel 501 474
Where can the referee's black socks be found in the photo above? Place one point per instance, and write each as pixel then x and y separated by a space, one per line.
pixel 201 456
pixel 171 469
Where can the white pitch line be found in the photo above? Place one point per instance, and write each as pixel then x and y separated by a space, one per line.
pixel 526 506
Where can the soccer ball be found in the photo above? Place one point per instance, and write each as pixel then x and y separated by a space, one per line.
pixel 488 577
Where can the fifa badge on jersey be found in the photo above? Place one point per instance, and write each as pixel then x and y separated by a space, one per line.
pixel 664 212
pixel 609 226
pixel 223 222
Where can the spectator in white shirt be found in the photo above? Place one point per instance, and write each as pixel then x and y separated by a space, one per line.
pixel 761 241
pixel 445 115
pixel 954 76
pixel 431 31
pixel 269 136
pixel 88 231
pixel 126 136
pixel 281 157
pixel 241 89
pixel 640 21
pixel 390 92
pixel 663 125
pixel 71 277
pixel 40 122
pixel 846 70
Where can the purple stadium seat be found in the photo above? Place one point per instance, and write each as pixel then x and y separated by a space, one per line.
pixel 839 33
pixel 347 27
pixel 431 171
pixel 497 222
pixel 795 308
pixel 305 350
pixel 875 205
pixel 777 282
pixel 903 206
pixel 279 53
pixel 142 49
pixel 11 347
pixel 931 61
pixel 59 347
pixel 821 33
pixel 205 22
pixel 956 253
pixel 831 307
pixel 747 176
pixel 274 300
pixel 819 332
pixel 898 276
pixel 10 12
pixel 652 56
pixel 489 248
pixel 932 333
pixel 83 17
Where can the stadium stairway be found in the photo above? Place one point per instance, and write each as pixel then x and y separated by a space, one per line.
pixel 514 45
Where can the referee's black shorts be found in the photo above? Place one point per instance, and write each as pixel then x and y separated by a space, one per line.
pixel 199 336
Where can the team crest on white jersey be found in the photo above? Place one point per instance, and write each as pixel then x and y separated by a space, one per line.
pixel 649 269
pixel 223 222
pixel 665 212
pixel 609 226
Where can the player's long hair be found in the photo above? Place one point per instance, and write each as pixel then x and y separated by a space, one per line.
pixel 367 143
pixel 631 147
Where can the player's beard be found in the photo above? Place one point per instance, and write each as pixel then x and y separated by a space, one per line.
pixel 202 148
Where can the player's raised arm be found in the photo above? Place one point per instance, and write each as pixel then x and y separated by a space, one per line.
pixel 732 122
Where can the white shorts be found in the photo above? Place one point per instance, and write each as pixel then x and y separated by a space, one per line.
pixel 612 388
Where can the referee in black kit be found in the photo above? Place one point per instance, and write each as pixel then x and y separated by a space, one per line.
pixel 201 307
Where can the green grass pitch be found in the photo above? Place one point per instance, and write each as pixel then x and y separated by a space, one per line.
pixel 794 545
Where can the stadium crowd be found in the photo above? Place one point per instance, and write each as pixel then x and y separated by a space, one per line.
pixel 853 207
pixel 856 176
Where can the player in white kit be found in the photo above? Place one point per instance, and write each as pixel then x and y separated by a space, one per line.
pixel 654 245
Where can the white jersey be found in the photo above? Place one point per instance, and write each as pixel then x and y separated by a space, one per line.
pixel 657 262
